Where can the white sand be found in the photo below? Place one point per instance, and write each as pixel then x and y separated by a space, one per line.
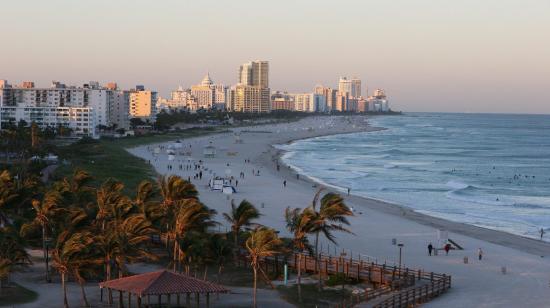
pixel 477 284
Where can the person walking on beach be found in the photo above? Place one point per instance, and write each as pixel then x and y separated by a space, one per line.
pixel 284 183
pixel 447 248
pixel 541 233
pixel 479 254
pixel 348 191
pixel 430 248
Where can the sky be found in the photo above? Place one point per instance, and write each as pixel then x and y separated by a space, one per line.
pixel 429 55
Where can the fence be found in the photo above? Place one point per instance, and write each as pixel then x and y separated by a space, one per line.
pixel 396 284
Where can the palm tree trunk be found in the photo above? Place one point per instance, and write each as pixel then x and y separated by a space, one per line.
pixel 299 277
pixel 254 291
pixel 175 257
pixel 219 273
pixel 236 247
pixel 108 277
pixel 64 285
pixel 84 298
pixel 44 251
pixel 205 272
pixel 317 260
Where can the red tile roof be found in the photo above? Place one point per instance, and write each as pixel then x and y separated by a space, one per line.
pixel 162 282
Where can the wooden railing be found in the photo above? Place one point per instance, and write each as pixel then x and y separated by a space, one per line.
pixel 402 282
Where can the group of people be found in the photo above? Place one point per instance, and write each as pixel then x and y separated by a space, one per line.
pixel 447 248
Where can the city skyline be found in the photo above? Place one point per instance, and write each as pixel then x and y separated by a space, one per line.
pixel 429 56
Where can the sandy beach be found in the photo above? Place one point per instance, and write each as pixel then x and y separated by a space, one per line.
pixel 376 223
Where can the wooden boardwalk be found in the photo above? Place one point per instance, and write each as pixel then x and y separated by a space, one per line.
pixel 394 286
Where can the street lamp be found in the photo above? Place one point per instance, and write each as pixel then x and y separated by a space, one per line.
pixel 400 245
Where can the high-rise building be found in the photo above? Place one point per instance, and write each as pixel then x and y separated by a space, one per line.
pixel 341 101
pixel 355 87
pixel 351 87
pixel 220 96
pixel 282 101
pixel 329 94
pixel 70 107
pixel 143 104
pixel 119 108
pixel 252 93
pixel 378 102
pixel 204 93
pixel 310 102
pixel 254 73
pixel 254 99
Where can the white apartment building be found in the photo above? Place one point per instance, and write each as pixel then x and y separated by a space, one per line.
pixel 80 109
pixel 351 87
pixel 310 102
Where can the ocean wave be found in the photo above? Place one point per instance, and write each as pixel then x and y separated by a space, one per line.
pixel 456 185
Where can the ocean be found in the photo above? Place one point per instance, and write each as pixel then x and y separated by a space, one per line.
pixel 488 170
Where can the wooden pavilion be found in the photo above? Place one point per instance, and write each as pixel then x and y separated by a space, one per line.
pixel 161 284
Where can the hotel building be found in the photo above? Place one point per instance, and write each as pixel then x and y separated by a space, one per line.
pixel 82 109
pixel 252 93
pixel 143 104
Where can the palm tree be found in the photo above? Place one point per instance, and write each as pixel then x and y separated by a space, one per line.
pixel 299 223
pixel 239 217
pixel 190 215
pixel 73 254
pixel 45 211
pixel 263 242
pixel 219 250
pixel 330 217
pixel 173 189
pixel 144 200
pixel 12 253
pixel 123 229
pixel 7 194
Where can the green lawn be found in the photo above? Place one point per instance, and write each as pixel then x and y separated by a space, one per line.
pixel 311 297
pixel 107 158
pixel 16 294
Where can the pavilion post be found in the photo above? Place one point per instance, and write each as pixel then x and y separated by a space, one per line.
pixel 101 295
pixel 160 299
pixel 207 300
pixel 188 299
pixel 129 300
pixel 169 300
pixel 178 299
pixel 197 296
pixel 138 301
pixel 120 303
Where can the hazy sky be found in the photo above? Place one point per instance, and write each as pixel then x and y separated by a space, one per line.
pixel 440 55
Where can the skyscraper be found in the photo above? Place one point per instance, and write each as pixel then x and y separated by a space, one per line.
pixel 355 87
pixel 351 87
pixel 252 93
pixel 254 73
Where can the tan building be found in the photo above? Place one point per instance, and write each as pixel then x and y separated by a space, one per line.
pixel 341 102
pixel 282 101
pixel 250 99
pixel 143 104
pixel 254 73
pixel 252 94
pixel 329 94
pixel 204 93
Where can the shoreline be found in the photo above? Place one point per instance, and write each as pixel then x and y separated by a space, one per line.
pixel 510 240
pixel 253 159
